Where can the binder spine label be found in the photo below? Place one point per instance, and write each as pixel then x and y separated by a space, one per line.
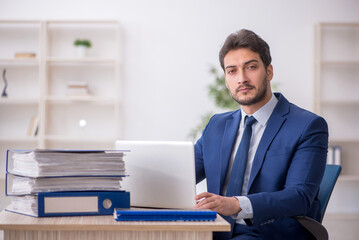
pixel 71 204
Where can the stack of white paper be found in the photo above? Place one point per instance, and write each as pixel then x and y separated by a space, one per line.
pixel 43 163
pixel 24 204
pixel 18 185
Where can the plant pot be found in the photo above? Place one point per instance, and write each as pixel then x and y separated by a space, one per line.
pixel 81 51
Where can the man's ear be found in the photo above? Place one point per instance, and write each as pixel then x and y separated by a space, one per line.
pixel 270 72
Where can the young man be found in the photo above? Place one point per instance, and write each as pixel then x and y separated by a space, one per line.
pixel 264 162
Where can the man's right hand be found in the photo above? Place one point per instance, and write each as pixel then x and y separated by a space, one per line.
pixel 223 205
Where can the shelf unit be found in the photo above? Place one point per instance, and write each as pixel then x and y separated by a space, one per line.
pixel 37 87
pixel 337 100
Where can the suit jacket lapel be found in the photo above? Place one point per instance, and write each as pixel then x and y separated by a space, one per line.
pixel 274 124
pixel 229 137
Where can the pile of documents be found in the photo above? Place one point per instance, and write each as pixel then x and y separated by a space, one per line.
pixel 41 181
pixel 46 163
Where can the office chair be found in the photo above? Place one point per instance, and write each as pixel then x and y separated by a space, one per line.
pixel 330 177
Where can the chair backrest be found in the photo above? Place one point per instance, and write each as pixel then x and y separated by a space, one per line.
pixel 330 177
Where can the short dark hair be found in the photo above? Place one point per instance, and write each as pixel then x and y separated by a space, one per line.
pixel 246 39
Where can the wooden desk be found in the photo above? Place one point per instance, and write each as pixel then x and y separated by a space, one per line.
pixel 18 226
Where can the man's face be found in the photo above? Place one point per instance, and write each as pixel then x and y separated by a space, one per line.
pixel 247 79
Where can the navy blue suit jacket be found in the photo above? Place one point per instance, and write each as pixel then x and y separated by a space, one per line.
pixel 287 169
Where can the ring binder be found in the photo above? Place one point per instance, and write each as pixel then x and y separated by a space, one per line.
pixel 51 204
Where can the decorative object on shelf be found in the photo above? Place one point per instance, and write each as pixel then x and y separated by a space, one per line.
pixel 82 45
pixel 25 55
pixel 334 156
pixel 77 88
pixel 82 123
pixel 4 94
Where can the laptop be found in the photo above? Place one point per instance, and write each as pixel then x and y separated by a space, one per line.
pixel 161 173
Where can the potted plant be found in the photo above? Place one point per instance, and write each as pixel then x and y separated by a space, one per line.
pixel 82 45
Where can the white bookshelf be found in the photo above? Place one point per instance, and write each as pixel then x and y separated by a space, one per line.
pixel 100 69
pixel 337 100
pixel 37 87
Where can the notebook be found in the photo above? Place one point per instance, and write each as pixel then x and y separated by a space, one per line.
pixel 161 173
pixel 163 215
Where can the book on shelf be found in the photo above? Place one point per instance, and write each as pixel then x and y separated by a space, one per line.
pixel 46 163
pixel 52 204
pixel 65 181
pixel 25 55
pixel 77 88
pixel 334 156
pixel 164 215
pixel 33 127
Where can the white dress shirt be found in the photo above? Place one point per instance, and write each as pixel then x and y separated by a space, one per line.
pixel 262 116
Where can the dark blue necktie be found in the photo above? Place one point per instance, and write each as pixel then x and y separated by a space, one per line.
pixel 235 183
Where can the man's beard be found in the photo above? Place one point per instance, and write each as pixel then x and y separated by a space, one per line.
pixel 262 90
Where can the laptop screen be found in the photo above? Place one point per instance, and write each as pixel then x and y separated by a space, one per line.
pixel 161 173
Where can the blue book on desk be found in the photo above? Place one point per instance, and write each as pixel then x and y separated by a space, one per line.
pixel 51 204
pixel 164 215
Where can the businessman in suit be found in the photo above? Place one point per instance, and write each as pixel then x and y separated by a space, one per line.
pixel 278 173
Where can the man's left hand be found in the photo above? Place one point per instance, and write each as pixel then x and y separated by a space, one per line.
pixel 223 205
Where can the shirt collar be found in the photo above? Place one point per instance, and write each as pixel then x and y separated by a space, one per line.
pixel 262 115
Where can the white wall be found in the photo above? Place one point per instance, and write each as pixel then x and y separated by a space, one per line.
pixel 169 46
